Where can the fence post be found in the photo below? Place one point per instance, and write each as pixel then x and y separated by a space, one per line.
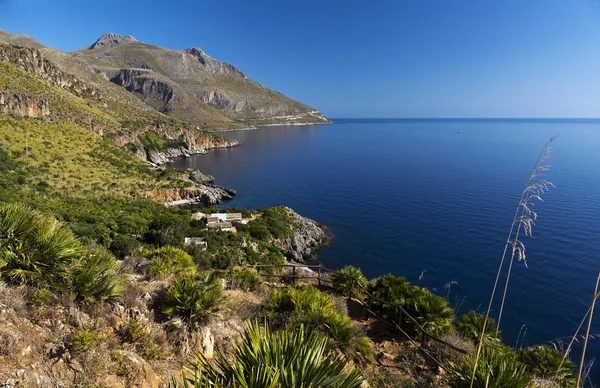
pixel 399 317
pixel 294 275
pixel 351 288
pixel 319 275
pixel 368 312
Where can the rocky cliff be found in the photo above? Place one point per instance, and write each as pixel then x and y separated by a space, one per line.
pixel 309 236
pixel 22 105
pixel 186 143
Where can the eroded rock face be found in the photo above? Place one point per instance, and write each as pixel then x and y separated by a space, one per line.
pixel 307 239
pixel 213 65
pixel 31 60
pixel 22 105
pixel 202 193
pixel 192 143
pixel 155 92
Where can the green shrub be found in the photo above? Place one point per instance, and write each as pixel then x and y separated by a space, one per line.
pixel 433 313
pixel 41 297
pixel 349 281
pixel 124 245
pixel 227 257
pixel 295 306
pixel 544 362
pixel 297 358
pixel 470 326
pixel 35 249
pixel 135 333
pixel 85 340
pixel 170 261
pixel 194 298
pixel 97 276
pixel 496 369
pixel 246 279
pixel 395 290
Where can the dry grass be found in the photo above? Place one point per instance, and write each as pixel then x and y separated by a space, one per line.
pixel 523 221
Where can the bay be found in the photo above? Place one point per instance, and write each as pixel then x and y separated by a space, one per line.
pixel 436 198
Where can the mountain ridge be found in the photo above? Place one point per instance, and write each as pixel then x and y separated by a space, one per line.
pixel 188 85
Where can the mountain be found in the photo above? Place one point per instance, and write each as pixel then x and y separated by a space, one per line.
pixel 191 85
pixel 187 85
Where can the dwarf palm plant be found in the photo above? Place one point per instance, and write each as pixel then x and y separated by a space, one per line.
pixel 547 363
pixel 194 298
pixel 97 276
pixel 349 281
pixel 286 359
pixel 35 249
pixel 170 261
pixel 471 325
pixel 433 313
pixel 493 369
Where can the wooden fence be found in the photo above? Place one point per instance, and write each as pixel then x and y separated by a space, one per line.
pixel 323 275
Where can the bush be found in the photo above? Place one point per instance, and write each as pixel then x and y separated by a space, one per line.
pixel 170 261
pixel 97 276
pixel 85 340
pixel 395 290
pixel 470 325
pixel 497 368
pixel 35 250
pixel 264 359
pixel 124 245
pixel 194 298
pixel 345 281
pixel 41 297
pixel 433 313
pixel 544 362
pixel 246 279
pixel 296 306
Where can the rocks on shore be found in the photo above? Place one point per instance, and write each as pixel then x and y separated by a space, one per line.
pixel 308 238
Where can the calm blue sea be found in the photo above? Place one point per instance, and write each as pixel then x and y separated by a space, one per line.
pixel 437 197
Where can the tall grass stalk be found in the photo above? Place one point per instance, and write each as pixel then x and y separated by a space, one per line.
pixel 523 220
pixel 574 338
pixel 587 333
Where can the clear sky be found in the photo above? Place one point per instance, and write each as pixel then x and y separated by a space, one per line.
pixel 369 58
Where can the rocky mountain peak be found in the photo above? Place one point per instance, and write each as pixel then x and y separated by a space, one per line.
pixel 213 65
pixel 111 40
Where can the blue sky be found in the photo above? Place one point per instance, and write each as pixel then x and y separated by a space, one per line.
pixel 401 58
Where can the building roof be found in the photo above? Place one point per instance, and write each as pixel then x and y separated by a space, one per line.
pixel 233 216
pixel 212 220
pixel 220 225
pixel 194 240
pixel 198 216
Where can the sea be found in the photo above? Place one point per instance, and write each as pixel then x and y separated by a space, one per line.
pixel 433 201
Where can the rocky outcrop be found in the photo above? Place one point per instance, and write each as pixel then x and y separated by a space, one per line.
pixel 189 142
pixel 141 82
pixel 212 65
pixel 309 236
pixel 201 178
pixel 111 40
pixel 223 101
pixel 21 105
pixel 202 194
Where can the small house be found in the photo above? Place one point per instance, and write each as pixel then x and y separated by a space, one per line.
pixel 195 241
pixel 233 217
pixel 222 226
